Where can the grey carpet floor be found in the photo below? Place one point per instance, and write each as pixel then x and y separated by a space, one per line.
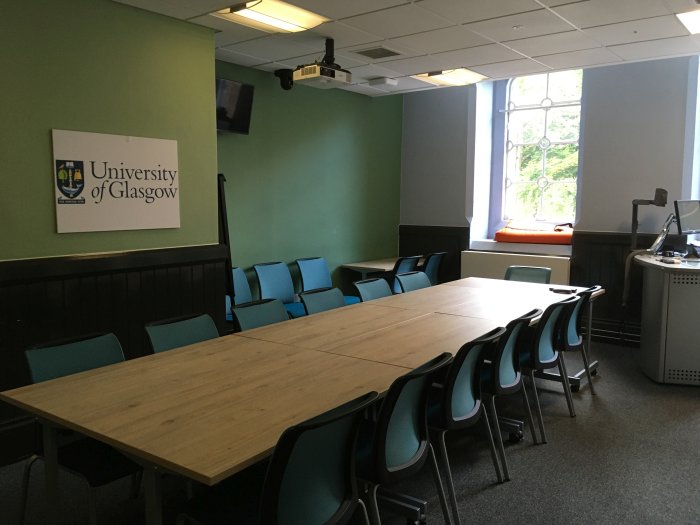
pixel 631 455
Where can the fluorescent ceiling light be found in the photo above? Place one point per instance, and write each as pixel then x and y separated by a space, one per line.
pixel 272 16
pixel 691 21
pixel 451 77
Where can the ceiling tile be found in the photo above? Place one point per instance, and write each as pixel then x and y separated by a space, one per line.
pixel 463 11
pixel 344 35
pixel 455 37
pixel 403 51
pixel 511 68
pixel 479 55
pixel 237 58
pixel 576 59
pixel 524 25
pixel 228 32
pixel 364 73
pixel 415 65
pixel 602 12
pixel 684 45
pixel 398 21
pixel 337 9
pixel 639 30
pixel 275 47
pixel 544 45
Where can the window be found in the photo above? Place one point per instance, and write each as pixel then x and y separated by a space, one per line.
pixel 540 158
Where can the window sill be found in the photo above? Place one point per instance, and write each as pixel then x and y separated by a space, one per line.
pixel 489 245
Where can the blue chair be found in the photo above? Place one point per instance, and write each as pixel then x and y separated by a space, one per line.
pixel 258 313
pixel 96 463
pixel 241 291
pixel 455 403
pixel 316 301
pixel 375 288
pixel 315 276
pixel 528 274
pixel 431 266
pixel 500 375
pixel 276 283
pixel 538 350
pixel 310 479
pixel 180 331
pixel 411 281
pixel 397 445
pixel 402 265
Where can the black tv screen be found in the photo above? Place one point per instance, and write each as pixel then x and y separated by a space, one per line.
pixel 234 102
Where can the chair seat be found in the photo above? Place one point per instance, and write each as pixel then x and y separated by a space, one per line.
pixel 88 457
pixel 295 309
pixel 351 299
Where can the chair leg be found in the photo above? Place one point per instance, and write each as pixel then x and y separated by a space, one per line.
pixel 587 368
pixel 361 504
pixel 438 485
pixel 540 419
pixel 135 484
pixel 25 487
pixel 450 481
pixel 567 387
pixel 528 412
pixel 497 437
pixel 492 446
pixel 374 505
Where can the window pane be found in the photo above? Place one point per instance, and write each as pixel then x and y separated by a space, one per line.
pixel 565 86
pixel 524 163
pixel 563 124
pixel 526 126
pixel 521 200
pixel 559 201
pixel 562 163
pixel 527 91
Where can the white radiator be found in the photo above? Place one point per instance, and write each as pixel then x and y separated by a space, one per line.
pixel 494 264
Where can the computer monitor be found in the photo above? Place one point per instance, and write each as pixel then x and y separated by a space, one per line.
pixel 687 217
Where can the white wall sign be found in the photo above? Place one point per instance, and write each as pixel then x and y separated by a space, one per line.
pixel 114 182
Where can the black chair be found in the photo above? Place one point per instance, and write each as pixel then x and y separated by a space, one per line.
pixel 96 463
pixel 500 375
pixel 258 313
pixel 431 266
pixel 402 265
pixel 175 332
pixel 310 478
pixel 572 336
pixel 397 444
pixel 455 403
pixel 538 351
pixel 374 288
pixel 316 301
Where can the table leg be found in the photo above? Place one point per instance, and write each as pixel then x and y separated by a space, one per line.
pixel 153 493
pixel 53 503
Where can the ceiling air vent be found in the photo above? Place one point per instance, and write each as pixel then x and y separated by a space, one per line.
pixel 377 52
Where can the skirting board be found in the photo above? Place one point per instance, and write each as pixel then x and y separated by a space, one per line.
pixel 494 264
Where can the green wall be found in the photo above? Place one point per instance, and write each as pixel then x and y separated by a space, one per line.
pixel 319 174
pixel 99 66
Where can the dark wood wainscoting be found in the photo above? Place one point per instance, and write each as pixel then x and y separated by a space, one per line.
pixel 599 258
pixel 428 239
pixel 53 298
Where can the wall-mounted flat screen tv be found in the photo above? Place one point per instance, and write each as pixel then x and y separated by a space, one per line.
pixel 234 102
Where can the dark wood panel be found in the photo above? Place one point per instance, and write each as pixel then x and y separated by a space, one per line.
pixel 428 239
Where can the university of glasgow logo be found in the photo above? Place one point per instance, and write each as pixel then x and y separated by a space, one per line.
pixel 70 179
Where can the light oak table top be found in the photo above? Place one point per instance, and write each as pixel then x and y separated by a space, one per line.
pixel 208 410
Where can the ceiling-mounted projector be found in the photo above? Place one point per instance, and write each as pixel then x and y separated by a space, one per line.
pixel 324 74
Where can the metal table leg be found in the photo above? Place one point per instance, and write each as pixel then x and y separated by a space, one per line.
pixel 153 493
pixel 53 503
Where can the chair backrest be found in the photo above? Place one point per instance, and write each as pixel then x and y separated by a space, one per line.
pixel 546 335
pixel 412 281
pixel 180 331
pixel 461 390
pixel 311 476
pixel 505 362
pixel 275 281
pixel 369 289
pixel 70 356
pixel 401 439
pixel 431 266
pixel 402 265
pixel 574 337
pixel 529 274
pixel 316 301
pixel 314 273
pixel 258 313
pixel 241 287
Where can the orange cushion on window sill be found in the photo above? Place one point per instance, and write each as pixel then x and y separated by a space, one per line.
pixel 534 236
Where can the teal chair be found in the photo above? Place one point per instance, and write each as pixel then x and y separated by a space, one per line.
pixel 370 289
pixel 275 282
pixel 397 444
pixel 258 313
pixel 241 291
pixel 501 375
pixel 431 266
pixel 538 350
pixel 529 274
pixel 180 331
pixel 455 404
pixel 310 478
pixel 315 275
pixel 94 462
pixel 316 301
pixel 411 281
pixel 402 265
